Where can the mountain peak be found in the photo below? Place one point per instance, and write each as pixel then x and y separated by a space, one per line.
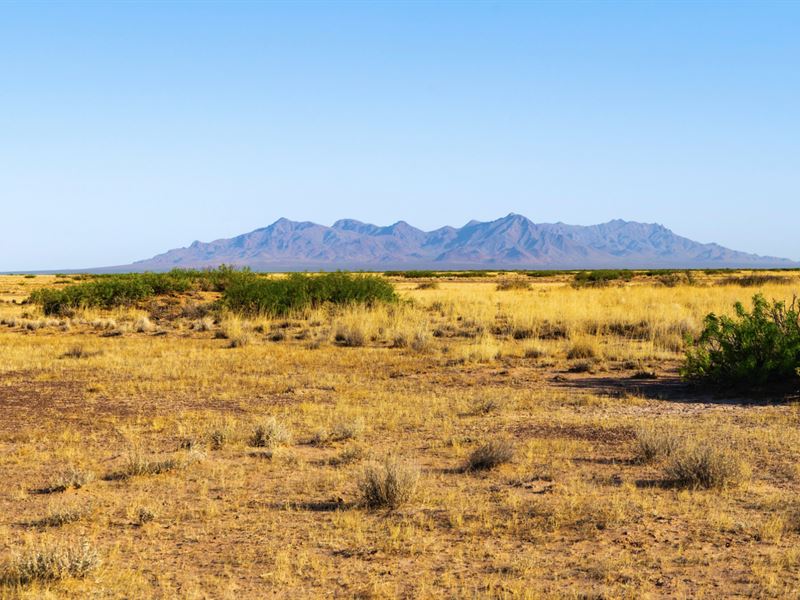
pixel 510 242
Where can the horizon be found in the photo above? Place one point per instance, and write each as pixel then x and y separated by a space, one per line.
pixel 133 128
pixel 355 264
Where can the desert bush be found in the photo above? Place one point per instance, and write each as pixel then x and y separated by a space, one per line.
pixel 108 291
pixel 71 478
pixel 78 351
pixel 350 334
pixel 388 485
pixel 513 284
pixel 705 465
pixel 219 436
pixel 340 430
pixel 428 285
pixel 204 324
pixel 270 434
pixel 348 455
pixel 144 325
pixel 751 348
pixel 62 516
pixel 600 278
pixel 753 280
pixel 581 349
pixel 239 340
pixel 484 406
pixel 257 295
pixel 144 515
pixel 137 464
pixel 490 455
pixel 50 563
pixel 655 443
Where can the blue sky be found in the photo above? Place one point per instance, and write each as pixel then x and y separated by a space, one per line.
pixel 127 129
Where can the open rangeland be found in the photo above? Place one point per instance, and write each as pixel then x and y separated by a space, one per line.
pixel 501 436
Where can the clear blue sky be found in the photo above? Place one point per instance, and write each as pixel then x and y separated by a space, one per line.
pixel 127 129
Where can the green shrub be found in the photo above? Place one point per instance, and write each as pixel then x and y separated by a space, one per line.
pixel 108 291
pixel 278 297
pixel 601 277
pixel 751 348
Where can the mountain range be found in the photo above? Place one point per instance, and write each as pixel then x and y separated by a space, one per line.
pixel 512 242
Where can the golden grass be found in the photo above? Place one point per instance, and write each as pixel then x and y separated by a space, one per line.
pixel 579 511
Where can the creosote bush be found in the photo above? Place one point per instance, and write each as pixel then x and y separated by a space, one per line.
pixel 750 349
pixel 490 455
pixel 388 485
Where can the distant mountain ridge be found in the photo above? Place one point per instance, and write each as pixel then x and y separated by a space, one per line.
pixel 512 242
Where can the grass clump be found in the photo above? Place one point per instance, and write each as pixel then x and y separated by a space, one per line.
pixel 137 465
pixel 71 478
pixel 350 335
pixel 581 350
pixel 513 284
pixel 63 516
pixel 706 466
pixel 47 564
pixel 751 348
pixel 490 455
pixel 655 443
pixel 388 485
pixel 340 431
pixel 270 434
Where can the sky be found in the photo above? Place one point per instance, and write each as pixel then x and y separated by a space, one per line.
pixel 127 129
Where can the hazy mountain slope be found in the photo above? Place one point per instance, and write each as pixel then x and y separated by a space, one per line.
pixel 511 242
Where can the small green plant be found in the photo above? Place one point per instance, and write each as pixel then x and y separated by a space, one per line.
pixel 388 485
pixel 750 349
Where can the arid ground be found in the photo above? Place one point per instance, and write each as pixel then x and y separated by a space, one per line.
pixel 179 452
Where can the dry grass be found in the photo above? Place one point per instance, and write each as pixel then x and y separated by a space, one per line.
pixel 389 484
pixel 619 487
pixel 490 455
pixel 50 563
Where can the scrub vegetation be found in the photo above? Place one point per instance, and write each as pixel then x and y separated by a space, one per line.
pixel 230 434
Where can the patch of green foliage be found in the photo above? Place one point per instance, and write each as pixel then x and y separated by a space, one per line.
pixel 108 291
pixel 251 294
pixel 750 349
pixel 601 277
